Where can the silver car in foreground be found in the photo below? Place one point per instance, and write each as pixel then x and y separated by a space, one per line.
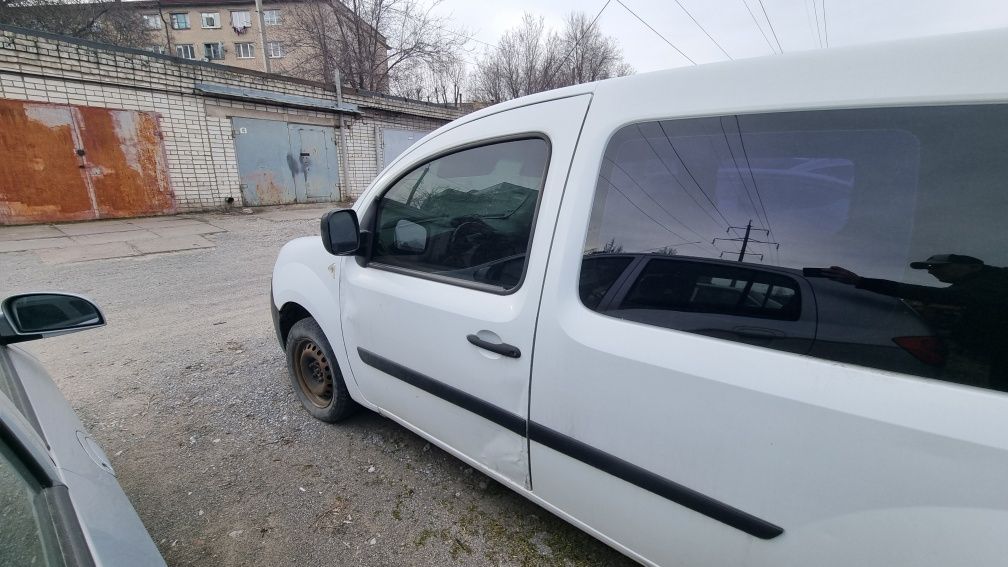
pixel 60 503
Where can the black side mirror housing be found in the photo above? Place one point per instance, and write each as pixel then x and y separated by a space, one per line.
pixel 341 234
pixel 38 315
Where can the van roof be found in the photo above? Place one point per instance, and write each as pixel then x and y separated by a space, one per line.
pixel 964 66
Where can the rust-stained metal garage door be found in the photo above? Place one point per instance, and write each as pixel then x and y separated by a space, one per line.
pixel 62 163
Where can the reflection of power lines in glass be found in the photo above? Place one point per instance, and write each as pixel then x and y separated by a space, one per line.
pixel 746 241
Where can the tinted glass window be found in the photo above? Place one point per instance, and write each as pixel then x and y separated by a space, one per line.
pixel 598 274
pixel 891 220
pixel 711 288
pixel 466 216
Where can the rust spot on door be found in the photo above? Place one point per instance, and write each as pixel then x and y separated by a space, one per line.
pixel 123 156
pixel 266 188
pixel 61 163
pixel 40 175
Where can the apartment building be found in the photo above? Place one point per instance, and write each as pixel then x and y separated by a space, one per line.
pixel 220 31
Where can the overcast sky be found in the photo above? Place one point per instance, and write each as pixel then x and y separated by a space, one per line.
pixel 729 23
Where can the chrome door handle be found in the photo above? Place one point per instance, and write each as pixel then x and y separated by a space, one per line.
pixel 502 349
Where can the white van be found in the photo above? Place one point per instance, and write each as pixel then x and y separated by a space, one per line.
pixel 746 313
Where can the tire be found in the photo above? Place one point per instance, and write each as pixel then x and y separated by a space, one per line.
pixel 315 375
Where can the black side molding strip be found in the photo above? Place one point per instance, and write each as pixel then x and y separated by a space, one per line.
pixel 464 400
pixel 653 483
pixel 583 452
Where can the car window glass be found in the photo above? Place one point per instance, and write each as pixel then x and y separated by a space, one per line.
pixel 465 216
pixel 698 287
pixel 26 537
pixel 598 274
pixel 876 236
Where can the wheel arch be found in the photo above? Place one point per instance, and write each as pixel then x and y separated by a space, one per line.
pixel 299 291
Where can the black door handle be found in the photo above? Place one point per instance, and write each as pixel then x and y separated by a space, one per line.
pixel 502 349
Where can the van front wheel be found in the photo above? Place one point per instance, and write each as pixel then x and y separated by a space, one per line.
pixel 315 374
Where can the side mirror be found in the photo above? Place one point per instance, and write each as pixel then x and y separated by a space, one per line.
pixel 341 232
pixel 38 315
pixel 410 237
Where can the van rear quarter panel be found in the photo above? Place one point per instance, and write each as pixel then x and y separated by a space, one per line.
pixel 859 466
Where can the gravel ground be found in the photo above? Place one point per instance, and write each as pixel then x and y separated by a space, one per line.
pixel 187 390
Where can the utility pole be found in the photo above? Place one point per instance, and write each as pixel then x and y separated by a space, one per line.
pixel 745 240
pixel 262 36
pixel 344 162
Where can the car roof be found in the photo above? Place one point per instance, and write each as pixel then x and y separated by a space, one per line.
pixel 962 66
pixel 956 68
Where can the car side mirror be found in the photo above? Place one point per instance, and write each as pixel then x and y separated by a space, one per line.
pixel 410 237
pixel 341 235
pixel 38 315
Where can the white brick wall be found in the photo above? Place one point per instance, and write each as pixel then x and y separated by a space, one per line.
pixel 202 165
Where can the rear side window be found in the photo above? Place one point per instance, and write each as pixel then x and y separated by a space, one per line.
pixel 891 221
pixel 466 216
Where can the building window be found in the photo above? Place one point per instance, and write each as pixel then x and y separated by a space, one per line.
pixel 152 21
pixel 213 51
pixel 275 49
pixel 271 17
pixel 210 19
pixel 245 50
pixel 159 49
pixel 180 21
pixel 241 21
pixel 185 51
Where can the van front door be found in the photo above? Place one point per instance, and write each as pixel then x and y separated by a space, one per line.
pixel 439 321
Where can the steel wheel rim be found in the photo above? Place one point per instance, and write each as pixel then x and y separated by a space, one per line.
pixel 314 373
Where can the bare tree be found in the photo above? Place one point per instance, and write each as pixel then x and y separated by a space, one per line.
pixel 442 81
pixel 373 43
pixel 592 56
pixel 530 59
pixel 106 21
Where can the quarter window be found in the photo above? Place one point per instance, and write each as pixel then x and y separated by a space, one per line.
pixel 868 236
pixel 466 216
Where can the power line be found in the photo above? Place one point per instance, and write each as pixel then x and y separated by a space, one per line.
pixel 759 27
pixel 818 28
pixel 653 200
pixel 738 171
pixel 769 23
pixel 690 173
pixel 642 211
pixel 702 29
pixel 679 51
pixel 675 177
pixel 583 34
pixel 808 16
pixel 824 26
pixel 745 152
